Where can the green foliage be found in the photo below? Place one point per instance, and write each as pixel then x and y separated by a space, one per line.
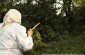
pixel 56 33
pixel 80 3
pixel 47 34
pixel 38 44
pixel 5 5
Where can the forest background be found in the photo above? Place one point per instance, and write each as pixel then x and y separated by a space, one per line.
pixel 62 28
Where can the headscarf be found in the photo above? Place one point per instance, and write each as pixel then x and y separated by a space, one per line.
pixel 10 17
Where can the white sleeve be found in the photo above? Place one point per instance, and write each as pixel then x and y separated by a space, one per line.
pixel 1 25
pixel 25 43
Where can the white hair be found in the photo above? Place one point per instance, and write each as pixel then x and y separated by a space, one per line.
pixel 11 16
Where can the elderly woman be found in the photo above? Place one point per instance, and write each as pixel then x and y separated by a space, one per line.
pixel 13 36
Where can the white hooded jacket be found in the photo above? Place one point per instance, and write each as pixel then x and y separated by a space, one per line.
pixel 13 39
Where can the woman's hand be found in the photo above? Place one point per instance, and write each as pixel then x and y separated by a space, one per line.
pixel 29 32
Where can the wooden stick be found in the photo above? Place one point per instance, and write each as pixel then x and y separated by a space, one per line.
pixel 36 26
